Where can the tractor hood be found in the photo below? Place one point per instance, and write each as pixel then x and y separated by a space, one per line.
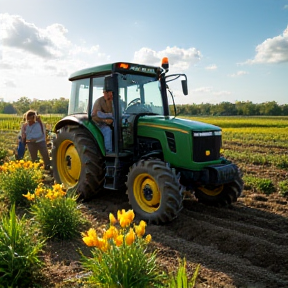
pixel 175 124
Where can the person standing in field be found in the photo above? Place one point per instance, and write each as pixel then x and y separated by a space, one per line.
pixel 34 135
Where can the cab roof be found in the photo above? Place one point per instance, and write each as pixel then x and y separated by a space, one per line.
pixel 113 67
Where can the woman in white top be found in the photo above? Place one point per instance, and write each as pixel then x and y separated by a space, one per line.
pixel 34 135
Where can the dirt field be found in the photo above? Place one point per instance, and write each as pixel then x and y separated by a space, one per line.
pixel 245 245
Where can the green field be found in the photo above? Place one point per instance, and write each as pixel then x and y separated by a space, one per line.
pixel 10 126
pixel 258 145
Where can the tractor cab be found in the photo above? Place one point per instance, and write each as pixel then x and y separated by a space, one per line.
pixel 138 90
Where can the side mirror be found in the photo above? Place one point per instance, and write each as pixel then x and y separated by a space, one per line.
pixel 184 87
pixel 109 83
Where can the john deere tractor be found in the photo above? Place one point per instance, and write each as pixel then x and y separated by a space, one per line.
pixel 156 156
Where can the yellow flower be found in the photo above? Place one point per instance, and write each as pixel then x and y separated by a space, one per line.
pixel 56 194
pixel 103 245
pixel 119 240
pixel 112 219
pixel 125 218
pixel 40 190
pixel 130 237
pixel 120 213
pixel 148 238
pixel 90 238
pixel 57 187
pixel 50 194
pixel 112 232
pixel 62 193
pixel 130 215
pixel 140 229
pixel 29 196
pixel 89 241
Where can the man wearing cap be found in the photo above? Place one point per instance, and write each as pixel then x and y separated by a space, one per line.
pixel 102 115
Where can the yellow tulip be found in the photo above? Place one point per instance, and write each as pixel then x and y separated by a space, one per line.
pixel 49 194
pixel 90 238
pixel 120 213
pixel 112 232
pixel 140 230
pixel 119 240
pixel 130 237
pixel 112 219
pixel 92 233
pixel 29 196
pixel 103 244
pixel 148 238
pixel 89 241
pixel 130 215
pixel 125 218
pixel 124 222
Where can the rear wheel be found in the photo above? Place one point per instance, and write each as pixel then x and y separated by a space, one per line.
pixel 78 162
pixel 154 191
pixel 221 195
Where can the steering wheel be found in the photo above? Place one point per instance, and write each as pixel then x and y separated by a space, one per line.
pixel 134 101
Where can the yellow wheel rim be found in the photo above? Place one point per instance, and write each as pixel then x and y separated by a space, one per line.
pixel 146 193
pixel 68 164
pixel 211 192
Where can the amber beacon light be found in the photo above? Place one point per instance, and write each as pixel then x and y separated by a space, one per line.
pixel 165 63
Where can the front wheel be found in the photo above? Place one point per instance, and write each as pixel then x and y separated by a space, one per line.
pixel 78 162
pixel 221 195
pixel 154 191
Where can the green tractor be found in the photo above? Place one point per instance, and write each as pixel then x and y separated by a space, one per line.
pixel 155 156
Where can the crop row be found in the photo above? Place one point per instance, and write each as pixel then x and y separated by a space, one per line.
pixel 13 122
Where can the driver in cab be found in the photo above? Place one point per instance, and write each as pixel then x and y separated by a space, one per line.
pixel 102 116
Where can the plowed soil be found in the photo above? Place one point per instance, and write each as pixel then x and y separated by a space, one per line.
pixel 245 245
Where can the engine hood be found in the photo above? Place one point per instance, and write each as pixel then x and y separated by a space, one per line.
pixel 176 124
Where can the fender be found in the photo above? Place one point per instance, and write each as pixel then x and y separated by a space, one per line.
pixel 82 120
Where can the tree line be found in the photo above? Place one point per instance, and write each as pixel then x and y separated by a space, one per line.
pixel 54 106
pixel 238 108
pixel 60 106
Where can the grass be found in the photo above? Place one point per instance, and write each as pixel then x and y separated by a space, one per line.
pixel 20 247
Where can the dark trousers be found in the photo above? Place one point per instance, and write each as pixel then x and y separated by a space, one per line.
pixel 34 147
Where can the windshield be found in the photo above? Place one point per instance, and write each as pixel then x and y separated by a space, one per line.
pixel 140 94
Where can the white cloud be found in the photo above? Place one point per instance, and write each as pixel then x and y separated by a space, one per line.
pixel 210 90
pixel 35 59
pixel 9 83
pixel 211 67
pixel 238 73
pixel 179 58
pixel 5 65
pixel 203 90
pixel 17 33
pixel 221 93
pixel 272 50
pixel 28 47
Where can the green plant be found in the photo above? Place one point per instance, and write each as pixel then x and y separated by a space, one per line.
pixel 180 280
pixel 120 257
pixel 262 184
pixel 3 154
pixel 56 213
pixel 19 177
pixel 20 245
pixel 283 188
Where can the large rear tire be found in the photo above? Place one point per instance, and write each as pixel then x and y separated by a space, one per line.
pixel 222 195
pixel 154 191
pixel 78 162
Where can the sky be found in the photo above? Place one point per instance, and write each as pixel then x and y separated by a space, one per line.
pixel 230 50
